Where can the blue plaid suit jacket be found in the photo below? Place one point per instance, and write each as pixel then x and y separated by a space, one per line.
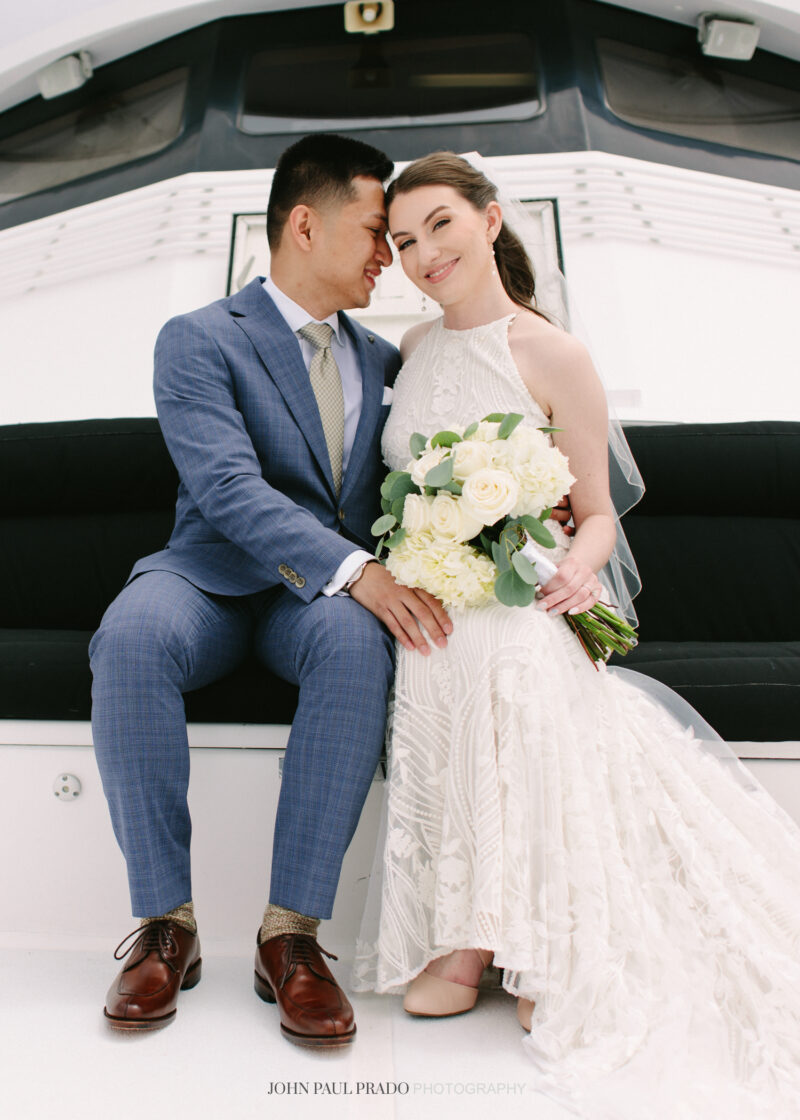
pixel 256 500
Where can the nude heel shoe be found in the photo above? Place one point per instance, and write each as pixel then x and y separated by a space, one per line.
pixel 432 997
pixel 524 1012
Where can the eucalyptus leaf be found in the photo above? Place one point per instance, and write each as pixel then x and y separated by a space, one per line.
pixel 417 443
pixel 486 544
pixel 454 487
pixel 396 538
pixel 524 569
pixel 525 593
pixel 494 418
pixel 441 474
pixel 471 430
pixel 509 423
pixel 547 431
pixel 383 524
pixel 540 534
pixel 510 537
pixel 402 485
pixel 445 439
pixel 388 483
pixel 529 522
pixel 386 505
pixel 397 508
pixel 512 591
pixel 500 557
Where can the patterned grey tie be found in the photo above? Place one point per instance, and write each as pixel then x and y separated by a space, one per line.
pixel 326 382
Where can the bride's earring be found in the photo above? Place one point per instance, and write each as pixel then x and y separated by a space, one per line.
pixel 494 259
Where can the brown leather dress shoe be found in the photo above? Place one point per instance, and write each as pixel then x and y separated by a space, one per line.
pixel 165 959
pixel 314 1010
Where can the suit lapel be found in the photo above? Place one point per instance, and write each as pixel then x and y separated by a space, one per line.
pixel 372 397
pixel 279 350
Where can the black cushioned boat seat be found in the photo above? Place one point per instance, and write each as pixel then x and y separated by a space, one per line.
pixel 82 501
pixel 717 540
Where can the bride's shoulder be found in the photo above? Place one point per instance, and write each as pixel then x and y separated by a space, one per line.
pixel 539 344
pixel 412 338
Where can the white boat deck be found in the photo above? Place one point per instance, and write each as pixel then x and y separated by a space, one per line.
pixel 223 1054
pixel 64 907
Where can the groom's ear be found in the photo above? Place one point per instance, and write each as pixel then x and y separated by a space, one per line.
pixel 300 225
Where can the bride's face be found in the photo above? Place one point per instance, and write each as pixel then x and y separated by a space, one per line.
pixel 444 243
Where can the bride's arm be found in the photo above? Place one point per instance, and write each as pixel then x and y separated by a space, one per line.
pixel 577 405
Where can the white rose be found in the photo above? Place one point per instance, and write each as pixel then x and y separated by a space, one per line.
pixel 469 456
pixel 489 495
pixel 450 521
pixel 417 513
pixel 426 463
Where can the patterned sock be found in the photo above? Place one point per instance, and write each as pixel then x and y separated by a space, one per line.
pixel 277 920
pixel 182 916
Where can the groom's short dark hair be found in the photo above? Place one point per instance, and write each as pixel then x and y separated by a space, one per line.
pixel 318 170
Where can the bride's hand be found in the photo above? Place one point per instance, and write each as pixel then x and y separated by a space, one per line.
pixel 574 588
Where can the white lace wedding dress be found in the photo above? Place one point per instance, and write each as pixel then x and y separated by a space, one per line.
pixel 642 891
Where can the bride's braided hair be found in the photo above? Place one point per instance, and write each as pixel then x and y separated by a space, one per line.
pixel 449 170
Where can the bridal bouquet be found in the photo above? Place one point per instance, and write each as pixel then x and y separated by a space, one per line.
pixel 465 521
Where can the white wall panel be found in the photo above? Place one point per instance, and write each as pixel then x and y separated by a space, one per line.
pixel 688 284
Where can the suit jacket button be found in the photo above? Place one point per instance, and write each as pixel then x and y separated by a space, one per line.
pixel 300 582
pixel 292 577
pixel 341 515
pixel 283 569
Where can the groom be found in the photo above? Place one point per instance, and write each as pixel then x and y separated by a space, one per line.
pixel 271 405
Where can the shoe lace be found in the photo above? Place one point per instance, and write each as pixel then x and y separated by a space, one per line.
pixel 153 935
pixel 302 948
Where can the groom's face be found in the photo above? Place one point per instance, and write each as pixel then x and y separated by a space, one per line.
pixel 352 247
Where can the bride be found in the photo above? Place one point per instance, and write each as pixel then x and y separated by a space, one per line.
pixel 639 893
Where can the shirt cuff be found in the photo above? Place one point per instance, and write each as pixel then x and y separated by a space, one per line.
pixel 346 570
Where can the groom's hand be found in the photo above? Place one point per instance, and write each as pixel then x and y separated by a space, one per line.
pixel 402 610
pixel 562 512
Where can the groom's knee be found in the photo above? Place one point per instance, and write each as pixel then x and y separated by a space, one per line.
pixel 136 639
pixel 346 637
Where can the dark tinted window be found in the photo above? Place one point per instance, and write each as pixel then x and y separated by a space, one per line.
pixel 111 130
pixel 386 79
pixel 701 99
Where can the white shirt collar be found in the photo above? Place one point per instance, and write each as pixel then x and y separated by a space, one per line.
pixel 295 315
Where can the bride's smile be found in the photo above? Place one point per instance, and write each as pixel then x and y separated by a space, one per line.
pixel 435 275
